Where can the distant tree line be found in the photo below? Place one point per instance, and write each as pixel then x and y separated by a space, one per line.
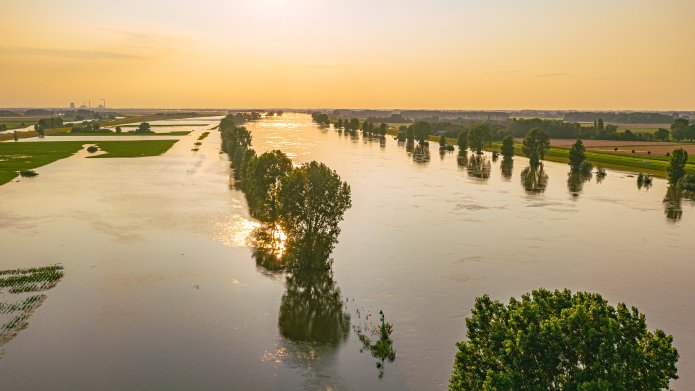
pixel 626 118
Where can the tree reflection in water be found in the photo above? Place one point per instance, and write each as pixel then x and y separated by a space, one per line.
pixel 314 319
pixel 479 166
pixel 268 242
pixel 462 159
pixel 672 203
pixel 534 179
pixel 421 154
pixel 506 167
pixel 312 309
pixel 576 180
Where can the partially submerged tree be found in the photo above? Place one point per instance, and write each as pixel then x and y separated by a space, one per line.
pixel 478 137
pixel 312 201
pixel 577 155
pixel 462 140
pixel 561 341
pixel 508 147
pixel 676 165
pixel 536 143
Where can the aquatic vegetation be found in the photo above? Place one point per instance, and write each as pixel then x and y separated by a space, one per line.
pixel 203 135
pixel 382 349
pixel 644 180
pixel 17 284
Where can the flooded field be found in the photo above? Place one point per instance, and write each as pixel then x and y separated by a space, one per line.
pixel 160 289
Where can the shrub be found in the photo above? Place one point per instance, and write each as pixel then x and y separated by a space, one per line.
pixel 28 173
pixel 92 149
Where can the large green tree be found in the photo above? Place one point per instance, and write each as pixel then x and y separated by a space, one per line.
pixel 577 155
pixel 478 137
pixel 676 165
pixel 312 201
pixel 561 341
pixel 536 143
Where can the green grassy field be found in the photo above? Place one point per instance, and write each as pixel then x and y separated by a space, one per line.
pixel 139 148
pixel 15 157
pixel 176 133
pixel 24 156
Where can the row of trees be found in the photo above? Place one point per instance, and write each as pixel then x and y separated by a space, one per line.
pixel 307 203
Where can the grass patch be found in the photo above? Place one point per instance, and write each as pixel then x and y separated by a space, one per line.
pixel 135 148
pixel 16 157
pixel 89 134
pixel 203 135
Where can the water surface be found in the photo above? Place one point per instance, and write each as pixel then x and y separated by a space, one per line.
pixel 161 289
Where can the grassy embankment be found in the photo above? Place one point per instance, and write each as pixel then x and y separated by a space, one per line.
pixel 15 157
pixel 655 165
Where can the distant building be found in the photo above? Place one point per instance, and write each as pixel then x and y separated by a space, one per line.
pixel 72 105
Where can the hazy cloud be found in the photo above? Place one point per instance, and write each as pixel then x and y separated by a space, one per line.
pixel 556 74
pixel 74 54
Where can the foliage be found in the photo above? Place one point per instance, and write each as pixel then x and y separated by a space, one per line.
pixel 676 165
pixel 92 148
pixel 421 130
pixel 577 154
pixel 679 129
pixel 27 173
pixel 262 181
pixel 561 341
pixel 508 147
pixel 478 137
pixel 312 201
pixel 662 134
pixel 536 143
pixel 144 127
pixel 321 118
pixel 462 140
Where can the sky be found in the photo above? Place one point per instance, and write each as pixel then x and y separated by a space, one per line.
pixel 436 54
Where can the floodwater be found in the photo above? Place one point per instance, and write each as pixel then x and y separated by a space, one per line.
pixel 161 290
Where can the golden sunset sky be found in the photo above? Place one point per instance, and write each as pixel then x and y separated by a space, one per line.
pixel 516 54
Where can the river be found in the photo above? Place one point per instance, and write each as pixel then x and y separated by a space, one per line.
pixel 161 290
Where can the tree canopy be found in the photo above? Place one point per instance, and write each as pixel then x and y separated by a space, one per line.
pixel 561 341
pixel 312 201
pixel 478 136
pixel 536 143
pixel 462 140
pixel 262 181
pixel 577 154
pixel 676 165
pixel 508 147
